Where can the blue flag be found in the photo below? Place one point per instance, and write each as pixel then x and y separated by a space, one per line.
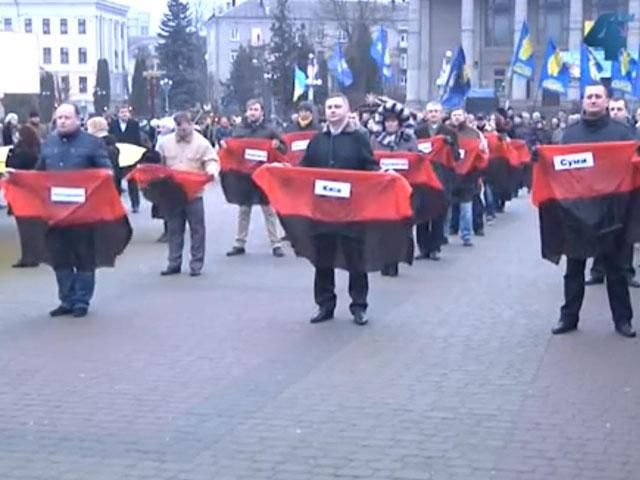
pixel 458 82
pixel 523 61
pixel 299 83
pixel 622 73
pixel 590 68
pixel 381 54
pixel 608 33
pixel 339 67
pixel 636 78
pixel 554 76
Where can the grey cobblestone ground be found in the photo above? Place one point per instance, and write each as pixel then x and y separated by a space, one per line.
pixel 221 377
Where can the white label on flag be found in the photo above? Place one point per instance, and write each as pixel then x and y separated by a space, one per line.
pixel 328 188
pixel 254 155
pixel 68 195
pixel 299 145
pixel 425 147
pixel 573 161
pixel 461 152
pixel 394 163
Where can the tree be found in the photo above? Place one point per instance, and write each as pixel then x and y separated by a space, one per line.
pixel 245 80
pixel 282 54
pixel 138 98
pixel 102 90
pixel 182 56
pixel 303 49
pixel 47 99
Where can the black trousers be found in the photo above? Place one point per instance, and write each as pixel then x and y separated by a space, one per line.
pixel 326 249
pixel 617 288
pixel 598 269
pixel 132 188
pixel 430 235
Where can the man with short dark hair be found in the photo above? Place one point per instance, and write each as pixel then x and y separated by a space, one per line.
pixel 127 130
pixel 597 126
pixel 72 249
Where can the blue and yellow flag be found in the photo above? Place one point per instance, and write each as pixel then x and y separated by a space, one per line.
pixel 523 61
pixel 458 82
pixel 299 83
pixel 554 76
pixel 590 68
pixel 339 67
pixel 381 54
pixel 622 73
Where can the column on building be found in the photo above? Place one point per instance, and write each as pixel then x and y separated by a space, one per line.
pixel 418 74
pixel 519 84
pixel 633 36
pixel 467 38
pixel 576 28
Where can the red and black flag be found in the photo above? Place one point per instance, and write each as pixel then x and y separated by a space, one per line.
pixel 587 196
pixel 81 198
pixel 238 160
pixel 520 153
pixel 428 198
pixel 321 206
pixel 296 143
pixel 437 151
pixel 168 188
pixel 472 161
pixel 503 172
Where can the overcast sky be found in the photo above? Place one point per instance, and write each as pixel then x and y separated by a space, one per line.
pixel 158 7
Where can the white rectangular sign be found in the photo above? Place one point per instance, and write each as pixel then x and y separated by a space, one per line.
pixel 299 145
pixel 254 155
pixel 394 163
pixel 461 153
pixel 573 161
pixel 425 147
pixel 68 195
pixel 328 188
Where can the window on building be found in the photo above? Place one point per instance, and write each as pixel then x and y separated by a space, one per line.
pixel 122 31
pixel 82 55
pixel 144 31
pixel 28 25
pixel 499 23
pixel 64 55
pixel 404 38
pixel 404 61
pixel 402 80
pixel 553 18
pixel 256 37
pixel 46 56
pixel 65 85
pixel 233 56
pixel 82 26
pixel 499 80
pixel 8 24
pixel 235 35
pixel 64 26
pixel 82 85
pixel 342 36
pixel 116 60
pixel 550 99
pixel 46 26
pixel 123 57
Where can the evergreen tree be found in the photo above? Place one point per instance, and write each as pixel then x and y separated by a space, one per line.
pixel 245 80
pixel 47 99
pixel 102 91
pixel 138 99
pixel 282 55
pixel 181 52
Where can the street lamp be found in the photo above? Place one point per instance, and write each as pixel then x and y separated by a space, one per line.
pixel 166 84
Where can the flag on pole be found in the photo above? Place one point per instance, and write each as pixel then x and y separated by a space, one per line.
pixel 523 62
pixel 555 73
pixel 590 68
pixel 299 83
pixel 339 67
pixel 608 33
pixel 458 82
pixel 381 53
pixel 622 72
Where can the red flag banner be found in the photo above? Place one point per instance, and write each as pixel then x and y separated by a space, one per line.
pixel 168 188
pixel 239 158
pixel 587 195
pixel 370 208
pixel 503 172
pixel 472 156
pixel 81 198
pixel 428 198
pixel 296 143
pixel 436 149
pixel 521 155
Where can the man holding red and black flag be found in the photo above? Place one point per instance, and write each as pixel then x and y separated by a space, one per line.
pixel 602 224
pixel 341 146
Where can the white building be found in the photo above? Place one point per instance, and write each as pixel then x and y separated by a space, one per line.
pixel 72 36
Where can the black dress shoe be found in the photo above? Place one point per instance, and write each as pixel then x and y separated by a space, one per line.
pixel 322 316
pixel 235 251
pixel 360 318
pixel 434 256
pixel 564 326
pixel 278 252
pixel 61 311
pixel 479 233
pixel 633 283
pixel 625 330
pixel 422 256
pixel 195 273
pixel 594 281
pixel 80 311
pixel 170 271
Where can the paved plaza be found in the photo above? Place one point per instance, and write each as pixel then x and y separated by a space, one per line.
pixel 221 377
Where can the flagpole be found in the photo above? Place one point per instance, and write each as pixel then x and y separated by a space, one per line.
pixel 508 90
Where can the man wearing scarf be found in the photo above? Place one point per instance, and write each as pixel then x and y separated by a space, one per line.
pixel 305 120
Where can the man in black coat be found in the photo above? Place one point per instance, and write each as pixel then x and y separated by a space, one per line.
pixel 340 145
pixel 596 126
pixel 304 121
pixel 127 130
pixel 430 236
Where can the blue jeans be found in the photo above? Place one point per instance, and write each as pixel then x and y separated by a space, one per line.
pixel 489 201
pixel 466 220
pixel 75 288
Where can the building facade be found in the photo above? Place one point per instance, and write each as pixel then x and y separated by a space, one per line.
pixel 488 31
pixel 249 22
pixel 72 36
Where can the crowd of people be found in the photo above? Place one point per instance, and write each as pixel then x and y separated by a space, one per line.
pixel 344 139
